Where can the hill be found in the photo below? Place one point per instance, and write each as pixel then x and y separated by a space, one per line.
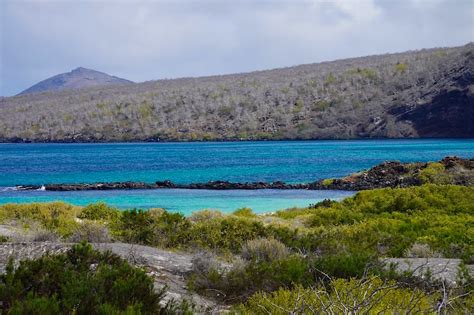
pixel 76 79
pixel 426 93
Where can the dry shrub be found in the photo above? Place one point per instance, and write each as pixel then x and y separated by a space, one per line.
pixel 41 235
pixel 421 250
pixel 205 215
pixel 264 249
pixel 91 232
pixel 204 262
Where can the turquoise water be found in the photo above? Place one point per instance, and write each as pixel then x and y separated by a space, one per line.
pixel 295 161
pixel 183 200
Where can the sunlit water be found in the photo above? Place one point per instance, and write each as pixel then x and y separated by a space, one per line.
pixel 297 161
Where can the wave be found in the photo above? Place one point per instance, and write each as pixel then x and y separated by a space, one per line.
pixel 8 188
pixel 42 188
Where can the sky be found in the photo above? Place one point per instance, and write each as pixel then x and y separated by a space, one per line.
pixel 143 40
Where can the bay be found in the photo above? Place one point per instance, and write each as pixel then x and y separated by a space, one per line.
pixel 289 161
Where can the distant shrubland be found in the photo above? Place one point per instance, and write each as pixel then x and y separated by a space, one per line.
pixel 426 93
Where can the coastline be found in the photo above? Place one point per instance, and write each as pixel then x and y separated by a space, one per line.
pixel 392 174
pixel 217 140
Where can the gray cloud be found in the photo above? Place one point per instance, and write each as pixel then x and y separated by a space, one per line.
pixel 146 40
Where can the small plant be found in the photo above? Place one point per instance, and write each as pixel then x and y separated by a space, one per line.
pixel 205 215
pixel 44 236
pixel 342 265
pixel 264 249
pixel 90 232
pixel 244 212
pixel 98 211
pixel 434 173
pixel 421 250
pixel 327 182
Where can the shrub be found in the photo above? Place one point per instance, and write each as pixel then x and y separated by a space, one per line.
pixel 244 212
pixel 246 278
pixel 205 215
pixel 81 281
pixel 227 234
pixel 352 296
pixel 325 203
pixel 204 262
pixel 90 232
pixel 421 250
pixel 434 173
pixel 264 249
pixel 44 236
pixel 58 217
pixel 98 211
pixel 157 227
pixel 343 265
pixel 327 182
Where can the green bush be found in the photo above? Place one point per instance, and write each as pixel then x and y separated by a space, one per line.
pixel 343 265
pixel 366 296
pixel 98 211
pixel 229 233
pixel 244 212
pixel 58 217
pixel 80 281
pixel 246 278
pixel 153 227
pixel 434 173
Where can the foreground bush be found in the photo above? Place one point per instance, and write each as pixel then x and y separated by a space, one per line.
pixel 245 278
pixel 352 296
pixel 81 281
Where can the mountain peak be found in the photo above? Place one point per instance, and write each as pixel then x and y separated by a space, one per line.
pixel 78 69
pixel 77 78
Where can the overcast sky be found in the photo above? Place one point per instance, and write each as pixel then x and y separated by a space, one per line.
pixel 146 40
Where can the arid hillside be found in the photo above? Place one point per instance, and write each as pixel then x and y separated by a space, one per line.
pixel 427 93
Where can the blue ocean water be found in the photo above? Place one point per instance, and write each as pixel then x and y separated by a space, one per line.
pixel 294 161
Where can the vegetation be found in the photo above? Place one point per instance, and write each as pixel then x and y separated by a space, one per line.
pixel 81 281
pixel 352 296
pixel 435 173
pixel 379 222
pixel 377 96
pixel 326 256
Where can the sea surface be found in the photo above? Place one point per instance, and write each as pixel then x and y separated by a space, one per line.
pixel 289 161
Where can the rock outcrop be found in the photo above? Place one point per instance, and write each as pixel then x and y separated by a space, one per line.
pixel 453 170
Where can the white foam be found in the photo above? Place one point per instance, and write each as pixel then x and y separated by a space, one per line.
pixel 7 188
pixel 42 188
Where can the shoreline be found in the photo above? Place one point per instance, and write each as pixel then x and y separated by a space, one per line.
pixel 146 141
pixel 392 174
pixel 167 184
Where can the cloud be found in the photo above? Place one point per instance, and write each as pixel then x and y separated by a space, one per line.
pixel 145 40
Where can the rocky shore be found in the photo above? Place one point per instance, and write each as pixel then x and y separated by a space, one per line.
pixel 450 170
pixel 211 185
